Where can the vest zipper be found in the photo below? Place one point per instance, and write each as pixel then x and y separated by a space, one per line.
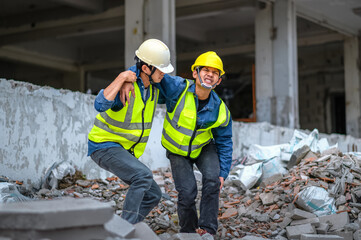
pixel 190 143
pixel 141 135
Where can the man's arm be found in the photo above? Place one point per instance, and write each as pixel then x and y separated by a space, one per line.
pixel 107 98
pixel 112 90
pixel 224 145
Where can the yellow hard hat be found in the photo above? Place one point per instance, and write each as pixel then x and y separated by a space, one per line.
pixel 209 59
pixel 154 52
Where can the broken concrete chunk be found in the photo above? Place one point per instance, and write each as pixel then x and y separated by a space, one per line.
pixel 298 214
pixel 295 232
pixel 297 156
pixel 320 237
pixel 338 221
pixel 313 221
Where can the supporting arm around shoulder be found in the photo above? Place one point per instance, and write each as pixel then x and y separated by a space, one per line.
pixel 112 90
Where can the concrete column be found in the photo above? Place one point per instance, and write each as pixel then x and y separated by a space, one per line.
pixel 264 67
pixel 146 19
pixel 352 86
pixel 285 71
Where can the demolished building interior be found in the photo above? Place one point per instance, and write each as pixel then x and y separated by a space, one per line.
pixel 292 75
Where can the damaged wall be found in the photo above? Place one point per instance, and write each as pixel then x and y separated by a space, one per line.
pixel 43 125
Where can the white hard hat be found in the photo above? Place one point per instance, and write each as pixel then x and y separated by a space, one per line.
pixel 154 52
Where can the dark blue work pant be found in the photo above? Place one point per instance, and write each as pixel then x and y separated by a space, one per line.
pixel 143 194
pixel 186 185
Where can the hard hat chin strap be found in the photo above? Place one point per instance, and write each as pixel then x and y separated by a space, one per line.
pixel 150 75
pixel 206 86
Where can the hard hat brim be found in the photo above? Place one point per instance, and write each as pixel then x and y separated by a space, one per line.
pixel 167 69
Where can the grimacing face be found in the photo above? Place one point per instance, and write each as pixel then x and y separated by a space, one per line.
pixel 209 75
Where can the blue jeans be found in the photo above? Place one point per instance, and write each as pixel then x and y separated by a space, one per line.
pixel 186 185
pixel 143 194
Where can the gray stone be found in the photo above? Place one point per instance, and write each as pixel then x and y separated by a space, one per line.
pixel 286 221
pixel 297 156
pixel 186 236
pixel 357 235
pixel 300 214
pixel 314 222
pixel 345 235
pixel 253 238
pixel 337 221
pixel 142 231
pixel 119 226
pixel 54 214
pixel 295 232
pixel 323 228
pixel 320 237
pixel 267 198
pixel 270 180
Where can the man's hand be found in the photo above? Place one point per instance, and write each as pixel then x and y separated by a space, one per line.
pixel 221 179
pixel 124 92
pixel 128 76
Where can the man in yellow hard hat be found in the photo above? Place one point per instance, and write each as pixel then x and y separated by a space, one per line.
pixel 120 132
pixel 197 130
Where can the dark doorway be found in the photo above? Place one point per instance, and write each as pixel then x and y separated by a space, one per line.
pixel 338 113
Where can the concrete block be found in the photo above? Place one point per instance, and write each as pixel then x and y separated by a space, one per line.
pixel 298 214
pixel 54 214
pixel 295 232
pixel 286 221
pixel 119 227
pixel 270 180
pixel 320 237
pixel 77 233
pixel 314 222
pixel 323 228
pixel 297 156
pixel 186 236
pixel 253 238
pixel 345 235
pixel 144 232
pixel 337 221
pixel 357 235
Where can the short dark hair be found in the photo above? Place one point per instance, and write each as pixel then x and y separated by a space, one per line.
pixel 139 63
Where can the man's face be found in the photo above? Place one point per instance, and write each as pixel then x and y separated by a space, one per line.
pixel 209 75
pixel 157 76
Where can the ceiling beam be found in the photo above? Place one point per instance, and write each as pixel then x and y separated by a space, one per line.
pixel 250 48
pixel 93 6
pixel 108 20
pixel 325 21
pixel 21 55
pixel 211 8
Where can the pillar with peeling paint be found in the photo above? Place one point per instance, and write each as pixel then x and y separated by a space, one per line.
pixel 145 19
pixel 276 64
pixel 352 86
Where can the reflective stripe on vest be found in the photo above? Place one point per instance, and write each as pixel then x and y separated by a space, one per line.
pixel 180 135
pixel 130 126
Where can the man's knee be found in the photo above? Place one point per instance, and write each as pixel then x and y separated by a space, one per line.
pixel 143 177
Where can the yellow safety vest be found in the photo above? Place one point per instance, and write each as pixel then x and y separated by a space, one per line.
pixel 130 126
pixel 180 135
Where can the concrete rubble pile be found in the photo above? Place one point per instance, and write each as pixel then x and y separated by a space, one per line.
pixel 277 208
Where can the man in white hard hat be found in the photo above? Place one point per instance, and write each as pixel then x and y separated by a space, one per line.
pixel 120 132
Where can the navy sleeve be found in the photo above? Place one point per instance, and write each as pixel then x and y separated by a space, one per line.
pixel 101 104
pixel 171 88
pixel 224 145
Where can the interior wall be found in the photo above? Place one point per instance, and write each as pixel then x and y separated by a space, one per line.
pixel 321 81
